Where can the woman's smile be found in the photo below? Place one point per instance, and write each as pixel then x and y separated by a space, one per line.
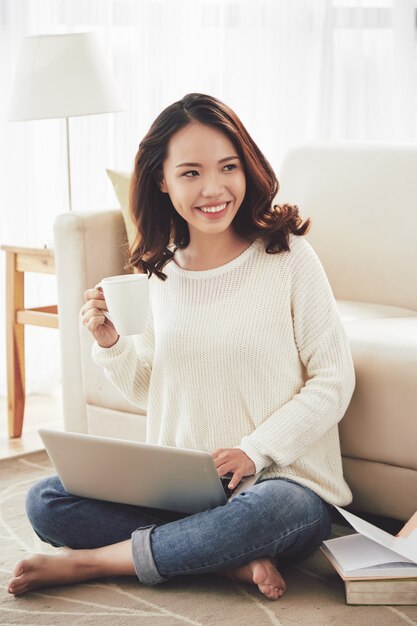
pixel 205 179
pixel 215 211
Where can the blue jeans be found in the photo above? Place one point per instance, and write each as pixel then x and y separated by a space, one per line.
pixel 276 518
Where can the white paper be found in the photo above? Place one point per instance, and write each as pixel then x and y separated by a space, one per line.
pixel 357 551
pixel 398 545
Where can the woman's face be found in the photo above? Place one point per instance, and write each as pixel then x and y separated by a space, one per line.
pixel 204 178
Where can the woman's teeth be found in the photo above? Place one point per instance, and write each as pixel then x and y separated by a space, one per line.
pixel 213 209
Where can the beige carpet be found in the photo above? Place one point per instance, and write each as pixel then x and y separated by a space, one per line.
pixel 315 595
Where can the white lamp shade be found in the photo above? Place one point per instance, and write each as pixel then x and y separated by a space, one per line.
pixel 63 76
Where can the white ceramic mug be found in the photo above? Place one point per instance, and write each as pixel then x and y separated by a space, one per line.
pixel 127 299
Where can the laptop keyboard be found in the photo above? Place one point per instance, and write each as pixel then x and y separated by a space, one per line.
pixel 225 480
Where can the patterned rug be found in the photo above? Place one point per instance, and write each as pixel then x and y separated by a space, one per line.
pixel 315 594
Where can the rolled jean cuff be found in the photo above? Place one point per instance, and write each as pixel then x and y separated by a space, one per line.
pixel 143 562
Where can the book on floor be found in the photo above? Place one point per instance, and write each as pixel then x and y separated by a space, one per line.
pixel 377 568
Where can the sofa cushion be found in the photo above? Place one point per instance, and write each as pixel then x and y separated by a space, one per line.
pixel 373 485
pixel 106 422
pixel 121 185
pixel 381 421
pixel 351 310
pixel 361 198
pixel 98 390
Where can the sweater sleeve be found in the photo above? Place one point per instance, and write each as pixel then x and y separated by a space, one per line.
pixel 322 344
pixel 128 364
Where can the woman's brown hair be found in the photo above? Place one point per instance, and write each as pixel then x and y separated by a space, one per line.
pixel 158 223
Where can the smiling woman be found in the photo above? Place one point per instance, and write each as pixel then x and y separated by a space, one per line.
pixel 220 363
pixel 207 215
pixel 214 208
pixel 207 198
pixel 244 356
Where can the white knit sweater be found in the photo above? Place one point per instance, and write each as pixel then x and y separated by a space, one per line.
pixel 251 354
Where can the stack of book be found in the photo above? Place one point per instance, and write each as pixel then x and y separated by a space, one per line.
pixel 376 567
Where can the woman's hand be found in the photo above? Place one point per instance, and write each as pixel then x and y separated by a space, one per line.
pixel 234 461
pixel 92 316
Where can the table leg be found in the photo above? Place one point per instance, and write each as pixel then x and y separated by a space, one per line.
pixel 15 345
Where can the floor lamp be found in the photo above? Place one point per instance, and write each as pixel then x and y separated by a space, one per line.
pixel 63 76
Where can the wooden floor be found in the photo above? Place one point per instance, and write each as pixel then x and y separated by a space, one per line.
pixel 40 412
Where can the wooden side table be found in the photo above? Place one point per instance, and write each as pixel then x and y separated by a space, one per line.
pixel 20 260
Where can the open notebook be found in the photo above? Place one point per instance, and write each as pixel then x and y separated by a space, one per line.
pixel 372 552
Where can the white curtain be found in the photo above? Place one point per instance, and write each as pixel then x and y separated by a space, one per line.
pixel 293 70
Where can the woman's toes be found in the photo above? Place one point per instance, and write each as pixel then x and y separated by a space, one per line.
pixel 275 593
pixel 268 591
pixel 17 584
pixel 18 569
pixel 14 588
pixel 264 574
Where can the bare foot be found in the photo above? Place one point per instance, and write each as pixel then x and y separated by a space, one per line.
pixel 72 566
pixel 263 573
pixel 42 570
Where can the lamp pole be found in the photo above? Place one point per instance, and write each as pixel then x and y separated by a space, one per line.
pixel 67 139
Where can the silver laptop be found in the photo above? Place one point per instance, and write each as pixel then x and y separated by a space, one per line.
pixel 131 472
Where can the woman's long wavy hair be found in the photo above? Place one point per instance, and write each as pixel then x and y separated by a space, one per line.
pixel 161 230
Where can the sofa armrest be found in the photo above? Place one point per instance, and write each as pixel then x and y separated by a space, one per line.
pixel 88 246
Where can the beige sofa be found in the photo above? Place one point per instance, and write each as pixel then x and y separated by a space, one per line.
pixel 363 203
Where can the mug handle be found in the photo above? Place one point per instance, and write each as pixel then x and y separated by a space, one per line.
pixel 106 313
